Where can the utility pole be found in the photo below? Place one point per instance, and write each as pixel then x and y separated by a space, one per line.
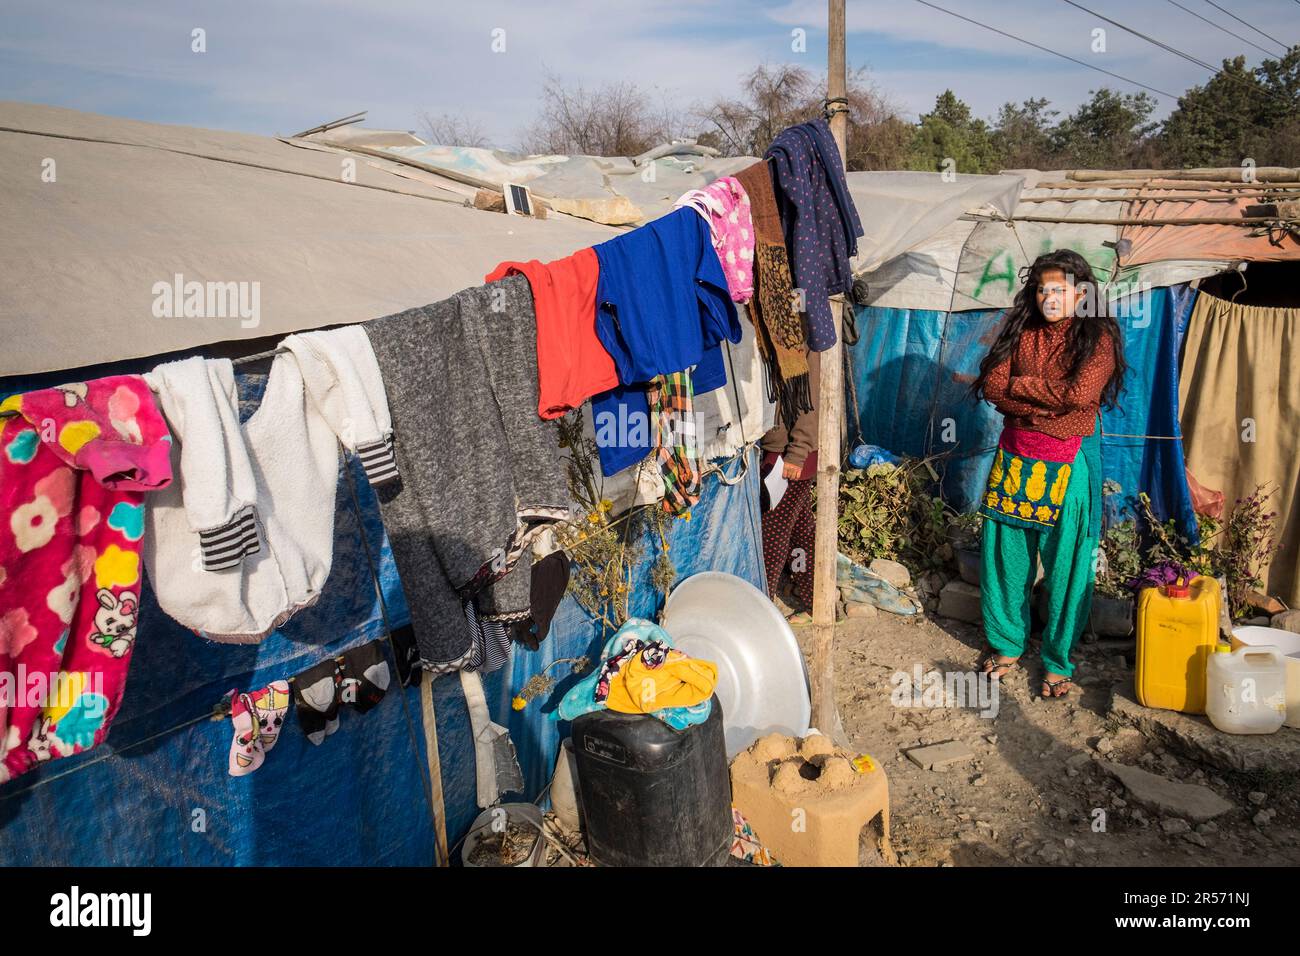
pixel 830 408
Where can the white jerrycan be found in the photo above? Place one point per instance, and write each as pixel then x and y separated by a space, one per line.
pixel 1246 689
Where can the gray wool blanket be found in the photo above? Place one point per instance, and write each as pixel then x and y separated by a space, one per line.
pixel 480 475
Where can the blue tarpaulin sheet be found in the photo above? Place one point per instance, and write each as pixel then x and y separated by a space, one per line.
pixel 158 792
pixel 911 373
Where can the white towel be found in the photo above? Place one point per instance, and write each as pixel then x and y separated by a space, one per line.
pixel 343 380
pixel 201 403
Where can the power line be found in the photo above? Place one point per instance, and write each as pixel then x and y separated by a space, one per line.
pixel 1246 23
pixel 1165 46
pixel 1152 40
pixel 1037 46
pixel 1223 28
pixel 1066 56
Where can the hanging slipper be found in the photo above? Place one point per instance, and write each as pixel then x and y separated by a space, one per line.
pixel 246 753
pixel 271 703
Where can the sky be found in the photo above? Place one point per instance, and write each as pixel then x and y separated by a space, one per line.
pixel 281 66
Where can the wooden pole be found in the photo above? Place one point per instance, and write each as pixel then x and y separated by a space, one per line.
pixel 830 408
pixel 430 721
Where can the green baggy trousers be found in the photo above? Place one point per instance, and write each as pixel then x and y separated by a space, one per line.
pixel 1068 550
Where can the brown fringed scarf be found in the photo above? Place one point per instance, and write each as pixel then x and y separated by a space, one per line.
pixel 782 339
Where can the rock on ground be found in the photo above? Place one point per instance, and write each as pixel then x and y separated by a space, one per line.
pixel 1186 800
pixel 893 572
pixel 1287 621
pixel 1194 735
pixel 942 755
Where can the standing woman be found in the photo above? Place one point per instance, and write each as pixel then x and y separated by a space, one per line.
pixel 1057 359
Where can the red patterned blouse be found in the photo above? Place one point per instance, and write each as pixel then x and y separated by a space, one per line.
pixel 1031 388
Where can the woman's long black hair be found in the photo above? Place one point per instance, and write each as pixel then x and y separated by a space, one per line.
pixel 1084 333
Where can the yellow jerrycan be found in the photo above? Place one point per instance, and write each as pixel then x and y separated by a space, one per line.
pixel 1177 630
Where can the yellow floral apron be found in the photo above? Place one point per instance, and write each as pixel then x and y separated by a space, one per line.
pixel 1025 491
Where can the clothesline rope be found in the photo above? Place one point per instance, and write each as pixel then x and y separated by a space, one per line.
pixel 219 712
pixel 1106 434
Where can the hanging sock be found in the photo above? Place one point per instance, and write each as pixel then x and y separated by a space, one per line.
pixel 270 704
pixel 550 581
pixel 316 692
pixel 491 650
pixel 246 751
pixel 672 406
pixel 365 676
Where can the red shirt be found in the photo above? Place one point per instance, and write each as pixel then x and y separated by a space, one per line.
pixel 1031 387
pixel 572 364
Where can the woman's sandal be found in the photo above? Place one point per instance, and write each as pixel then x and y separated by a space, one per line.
pixel 1051 686
pixel 995 668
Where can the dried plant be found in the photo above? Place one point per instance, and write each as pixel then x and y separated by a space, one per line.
pixel 604 549
pixel 1121 559
pixel 1237 549
pixel 892 511
pixel 540 684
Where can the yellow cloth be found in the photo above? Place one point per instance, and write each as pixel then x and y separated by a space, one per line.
pixel 680 681
pixel 1240 410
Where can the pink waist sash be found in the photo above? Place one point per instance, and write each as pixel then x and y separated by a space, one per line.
pixel 1032 444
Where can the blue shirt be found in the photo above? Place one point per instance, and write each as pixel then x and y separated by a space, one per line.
pixel 618 407
pixel 662 306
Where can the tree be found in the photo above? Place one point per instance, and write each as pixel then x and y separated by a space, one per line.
pixel 1109 131
pixel 879 137
pixel 1022 135
pixel 616 119
pixel 773 97
pixel 447 129
pixel 1215 124
pixel 948 137
pixel 1274 139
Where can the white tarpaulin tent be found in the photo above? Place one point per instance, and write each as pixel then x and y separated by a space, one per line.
pixel 973 262
pixel 131 204
pixel 103 215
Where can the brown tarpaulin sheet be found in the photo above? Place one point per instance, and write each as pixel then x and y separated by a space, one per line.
pixel 1243 362
pixel 1221 242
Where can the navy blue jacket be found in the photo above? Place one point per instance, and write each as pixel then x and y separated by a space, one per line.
pixel 819 219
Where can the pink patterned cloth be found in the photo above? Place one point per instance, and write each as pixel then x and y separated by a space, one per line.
pixel 1031 444
pixel 724 204
pixel 75 462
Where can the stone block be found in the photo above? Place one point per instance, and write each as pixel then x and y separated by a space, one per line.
pixel 940 756
pixel 960 601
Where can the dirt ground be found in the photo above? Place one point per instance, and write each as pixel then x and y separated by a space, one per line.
pixel 1031 793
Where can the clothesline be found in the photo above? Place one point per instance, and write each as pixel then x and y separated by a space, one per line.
pixel 219 712
pixel 502 460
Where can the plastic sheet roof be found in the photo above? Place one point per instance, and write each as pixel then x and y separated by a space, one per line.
pixel 129 206
pixel 104 214
pixel 975 262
